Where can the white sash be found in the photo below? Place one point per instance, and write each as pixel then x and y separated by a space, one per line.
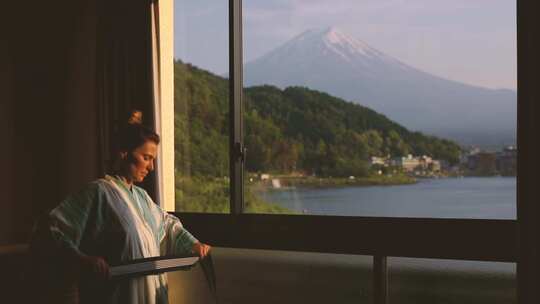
pixel 141 241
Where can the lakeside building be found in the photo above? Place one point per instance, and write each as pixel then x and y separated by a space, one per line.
pixel 429 164
pixel 435 166
pixel 503 162
pixel 483 163
pixel 375 160
pixel 412 163
pixel 506 163
pixel 408 163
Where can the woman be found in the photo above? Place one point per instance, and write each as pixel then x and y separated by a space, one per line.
pixel 112 221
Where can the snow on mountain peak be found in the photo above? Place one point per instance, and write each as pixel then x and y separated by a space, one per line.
pixel 322 44
pixel 335 38
pixel 337 41
pixel 335 35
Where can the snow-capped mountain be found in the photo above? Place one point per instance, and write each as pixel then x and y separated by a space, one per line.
pixel 331 61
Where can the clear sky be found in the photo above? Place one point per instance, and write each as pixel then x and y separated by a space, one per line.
pixel 472 41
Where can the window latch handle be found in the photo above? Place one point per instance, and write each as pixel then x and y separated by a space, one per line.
pixel 239 151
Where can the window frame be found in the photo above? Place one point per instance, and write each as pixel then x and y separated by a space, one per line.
pixel 461 239
pixel 378 227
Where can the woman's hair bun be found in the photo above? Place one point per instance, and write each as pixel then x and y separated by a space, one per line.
pixel 132 133
pixel 135 117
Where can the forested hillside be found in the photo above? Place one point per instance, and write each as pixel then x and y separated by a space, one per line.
pixel 291 130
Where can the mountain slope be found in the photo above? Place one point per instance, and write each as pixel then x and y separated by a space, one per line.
pixel 295 129
pixel 331 61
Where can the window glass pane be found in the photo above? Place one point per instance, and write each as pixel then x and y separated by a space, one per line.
pixel 201 105
pixel 381 108
pixel 421 281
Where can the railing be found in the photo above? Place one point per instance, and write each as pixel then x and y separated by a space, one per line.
pixel 481 240
pixel 461 239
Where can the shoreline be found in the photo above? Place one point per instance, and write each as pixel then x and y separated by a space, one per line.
pixel 287 182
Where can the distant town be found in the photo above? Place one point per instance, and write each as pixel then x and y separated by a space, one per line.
pixel 473 162
pixel 403 170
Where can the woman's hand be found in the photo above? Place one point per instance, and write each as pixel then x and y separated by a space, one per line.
pixel 94 267
pixel 201 249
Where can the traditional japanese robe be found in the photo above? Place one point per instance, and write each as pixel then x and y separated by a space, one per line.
pixel 109 220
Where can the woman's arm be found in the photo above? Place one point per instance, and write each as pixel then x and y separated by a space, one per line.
pixel 68 223
pixel 173 237
pixel 176 239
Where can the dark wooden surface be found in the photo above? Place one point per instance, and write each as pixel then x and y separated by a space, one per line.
pixel 465 239
pixel 528 209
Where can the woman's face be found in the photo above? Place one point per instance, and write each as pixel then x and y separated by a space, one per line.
pixel 141 161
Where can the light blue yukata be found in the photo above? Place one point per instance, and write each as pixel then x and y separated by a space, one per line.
pixel 109 220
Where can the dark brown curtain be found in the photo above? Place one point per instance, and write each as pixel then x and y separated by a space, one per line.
pixel 124 71
pixel 52 136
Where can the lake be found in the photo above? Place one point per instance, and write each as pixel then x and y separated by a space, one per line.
pixel 470 198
